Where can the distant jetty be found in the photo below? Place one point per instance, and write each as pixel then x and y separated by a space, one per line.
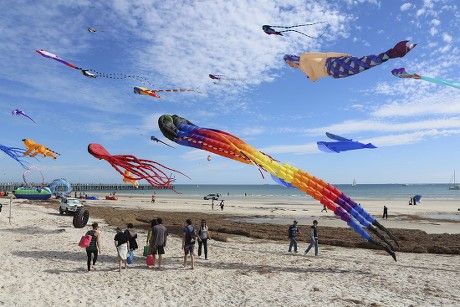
pixel 10 186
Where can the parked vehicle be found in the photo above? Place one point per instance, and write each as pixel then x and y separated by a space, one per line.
pixel 69 205
pixel 212 196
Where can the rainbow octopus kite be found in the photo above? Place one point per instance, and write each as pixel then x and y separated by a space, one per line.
pixel 139 168
pixel 402 73
pixel 143 91
pixel 271 31
pixel 340 65
pixel 183 132
pixel 15 153
pixel 20 112
pixel 34 149
pixel 91 73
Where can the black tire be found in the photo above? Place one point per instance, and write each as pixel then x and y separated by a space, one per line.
pixel 81 217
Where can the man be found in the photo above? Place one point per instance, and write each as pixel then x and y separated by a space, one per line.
pixel 188 243
pixel 293 231
pixel 385 212
pixel 313 238
pixel 158 240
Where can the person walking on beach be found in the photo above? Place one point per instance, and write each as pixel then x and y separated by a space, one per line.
pixel 222 205
pixel 188 243
pixel 158 241
pixel 385 212
pixel 293 231
pixel 313 238
pixel 324 208
pixel 94 247
pixel 212 204
pixel 132 235
pixel 122 245
pixel 203 237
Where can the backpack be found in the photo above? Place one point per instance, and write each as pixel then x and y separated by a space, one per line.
pixel 190 235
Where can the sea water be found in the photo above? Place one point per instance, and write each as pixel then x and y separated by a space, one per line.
pixel 361 191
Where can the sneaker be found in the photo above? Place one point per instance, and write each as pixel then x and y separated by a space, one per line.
pixel 289 251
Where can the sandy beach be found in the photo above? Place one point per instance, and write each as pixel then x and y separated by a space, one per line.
pixel 42 264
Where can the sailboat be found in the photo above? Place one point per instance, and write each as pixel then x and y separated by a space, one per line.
pixel 354 183
pixel 454 185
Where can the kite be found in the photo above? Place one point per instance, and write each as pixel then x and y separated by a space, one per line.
pixel 20 112
pixel 271 31
pixel 151 171
pixel 341 144
pixel 183 132
pixel 143 91
pixel 340 65
pixel 158 140
pixel 221 78
pixel 91 73
pixel 60 182
pixel 28 170
pixel 402 73
pixel 127 178
pixel 92 30
pixel 34 149
pixel 15 153
pixel 336 137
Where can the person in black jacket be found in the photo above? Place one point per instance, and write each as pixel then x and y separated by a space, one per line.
pixel 313 238
pixel 132 234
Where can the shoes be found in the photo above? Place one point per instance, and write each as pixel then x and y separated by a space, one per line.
pixel 289 251
pixel 205 258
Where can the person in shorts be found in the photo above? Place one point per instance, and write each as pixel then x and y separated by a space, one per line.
pixel 158 240
pixel 188 243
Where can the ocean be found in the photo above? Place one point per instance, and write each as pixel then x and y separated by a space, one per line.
pixel 361 191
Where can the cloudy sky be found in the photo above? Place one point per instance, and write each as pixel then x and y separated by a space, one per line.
pixel 176 44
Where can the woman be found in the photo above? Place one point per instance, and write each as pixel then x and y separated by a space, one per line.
pixel 122 245
pixel 203 236
pixel 132 235
pixel 94 247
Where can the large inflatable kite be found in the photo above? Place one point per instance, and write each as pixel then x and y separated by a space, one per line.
pixel 57 183
pixel 127 177
pixel 402 73
pixel 34 149
pixel 20 112
pixel 153 172
pixel 183 132
pixel 341 144
pixel 15 153
pixel 340 65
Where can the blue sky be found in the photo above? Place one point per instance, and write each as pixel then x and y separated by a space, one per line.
pixel 274 108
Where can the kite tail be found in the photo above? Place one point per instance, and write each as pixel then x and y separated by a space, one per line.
pixel 341 67
pixel 379 226
pixel 385 247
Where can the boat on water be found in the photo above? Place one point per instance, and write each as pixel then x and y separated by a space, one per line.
pixel 453 185
pixel 354 183
pixel 33 193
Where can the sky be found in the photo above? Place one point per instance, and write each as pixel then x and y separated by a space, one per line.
pixel 271 106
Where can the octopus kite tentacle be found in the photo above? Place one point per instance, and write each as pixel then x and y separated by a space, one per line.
pixel 341 67
pixel 15 153
pixel 222 143
pixel 139 169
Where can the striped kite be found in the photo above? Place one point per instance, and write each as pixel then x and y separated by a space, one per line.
pixel 402 73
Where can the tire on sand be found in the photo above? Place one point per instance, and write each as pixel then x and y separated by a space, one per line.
pixel 81 217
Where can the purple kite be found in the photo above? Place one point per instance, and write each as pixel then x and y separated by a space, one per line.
pixel 20 112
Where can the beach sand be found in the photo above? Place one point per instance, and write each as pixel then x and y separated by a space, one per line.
pixel 42 264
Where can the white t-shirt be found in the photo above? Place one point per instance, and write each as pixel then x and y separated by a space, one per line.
pixel 203 232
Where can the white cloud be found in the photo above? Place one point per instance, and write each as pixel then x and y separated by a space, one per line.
pixel 447 38
pixel 406 6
